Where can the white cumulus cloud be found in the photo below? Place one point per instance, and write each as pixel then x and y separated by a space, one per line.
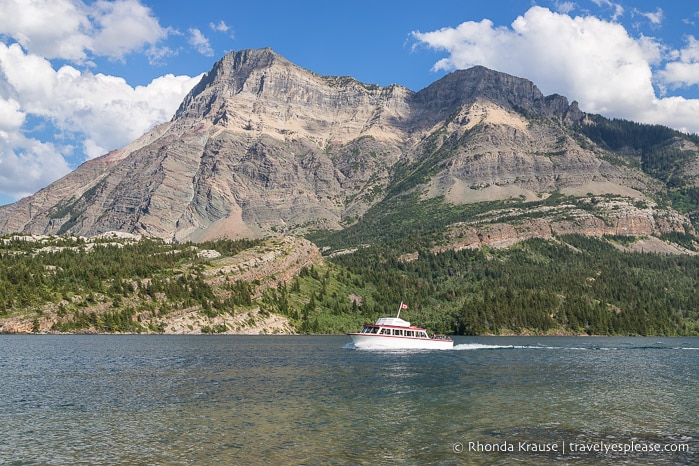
pixel 49 28
pixel 73 30
pixel 200 42
pixel 123 26
pixel 221 26
pixel 49 112
pixel 596 62
pixel 11 116
pixel 27 165
pixel 684 70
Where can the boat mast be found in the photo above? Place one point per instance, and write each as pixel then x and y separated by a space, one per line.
pixel 399 308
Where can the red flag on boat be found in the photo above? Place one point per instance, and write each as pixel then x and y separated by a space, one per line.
pixel 403 306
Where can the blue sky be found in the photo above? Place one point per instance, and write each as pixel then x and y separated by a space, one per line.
pixel 81 77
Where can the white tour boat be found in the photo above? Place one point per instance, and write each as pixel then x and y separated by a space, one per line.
pixel 396 333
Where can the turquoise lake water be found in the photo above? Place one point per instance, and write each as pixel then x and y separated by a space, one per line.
pixel 109 399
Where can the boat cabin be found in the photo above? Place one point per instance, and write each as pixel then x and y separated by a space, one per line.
pixel 410 332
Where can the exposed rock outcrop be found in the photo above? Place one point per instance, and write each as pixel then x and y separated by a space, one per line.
pixel 274 261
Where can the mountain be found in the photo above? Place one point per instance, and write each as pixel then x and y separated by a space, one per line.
pixel 263 147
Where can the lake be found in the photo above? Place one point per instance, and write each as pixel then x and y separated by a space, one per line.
pixel 137 399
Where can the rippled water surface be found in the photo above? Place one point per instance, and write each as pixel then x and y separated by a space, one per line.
pixel 316 400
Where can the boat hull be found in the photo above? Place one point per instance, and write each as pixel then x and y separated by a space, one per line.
pixel 373 341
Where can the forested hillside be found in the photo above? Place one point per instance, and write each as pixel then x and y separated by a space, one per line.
pixel 573 285
pixel 578 285
pixel 659 151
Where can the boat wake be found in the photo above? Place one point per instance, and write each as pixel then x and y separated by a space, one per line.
pixel 480 346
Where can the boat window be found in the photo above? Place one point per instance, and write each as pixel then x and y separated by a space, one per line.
pixel 375 330
pixel 386 331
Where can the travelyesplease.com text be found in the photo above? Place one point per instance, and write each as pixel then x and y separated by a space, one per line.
pixel 564 448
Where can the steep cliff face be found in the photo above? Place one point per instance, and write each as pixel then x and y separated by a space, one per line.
pixel 261 146
pixel 595 216
pixel 495 153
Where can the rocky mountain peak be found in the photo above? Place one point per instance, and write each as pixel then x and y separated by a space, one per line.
pixel 227 77
pixel 463 87
pixel 258 92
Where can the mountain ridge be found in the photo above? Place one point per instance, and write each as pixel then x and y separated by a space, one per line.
pixel 263 147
